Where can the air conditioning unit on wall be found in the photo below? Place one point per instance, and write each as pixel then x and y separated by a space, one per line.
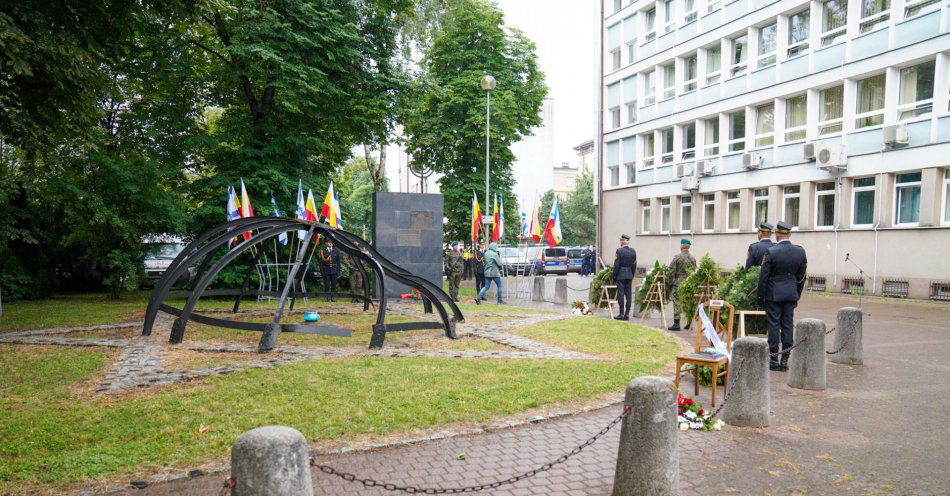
pixel 752 161
pixel 704 167
pixel 895 135
pixel 831 157
pixel 690 183
pixel 684 170
pixel 810 151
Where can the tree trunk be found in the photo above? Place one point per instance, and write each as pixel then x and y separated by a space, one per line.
pixel 381 171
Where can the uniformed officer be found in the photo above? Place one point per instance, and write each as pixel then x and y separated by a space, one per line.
pixel 478 263
pixel 680 267
pixel 453 268
pixel 780 286
pixel 330 268
pixel 757 250
pixel 356 275
pixel 625 264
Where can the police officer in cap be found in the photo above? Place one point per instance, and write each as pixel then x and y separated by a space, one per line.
pixel 757 250
pixel 780 286
pixel 625 264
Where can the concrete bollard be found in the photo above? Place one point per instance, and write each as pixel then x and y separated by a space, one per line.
pixel 537 293
pixel 748 404
pixel 648 458
pixel 849 337
pixel 271 461
pixel 560 290
pixel 806 366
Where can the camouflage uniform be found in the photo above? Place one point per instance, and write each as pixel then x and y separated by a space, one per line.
pixel 356 275
pixel 683 263
pixel 453 268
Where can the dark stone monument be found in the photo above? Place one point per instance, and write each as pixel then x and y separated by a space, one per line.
pixel 407 229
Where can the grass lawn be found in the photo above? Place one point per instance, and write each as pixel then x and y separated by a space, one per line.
pixel 54 433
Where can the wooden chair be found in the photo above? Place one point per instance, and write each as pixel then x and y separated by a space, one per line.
pixel 714 309
pixel 605 298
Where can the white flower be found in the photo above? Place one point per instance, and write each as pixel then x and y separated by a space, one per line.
pixel 690 415
pixel 684 426
pixel 717 426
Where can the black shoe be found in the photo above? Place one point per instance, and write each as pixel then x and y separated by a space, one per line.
pixel 477 301
pixel 775 366
pixel 625 317
pixel 784 363
pixel 675 326
pixel 619 317
pixel 502 302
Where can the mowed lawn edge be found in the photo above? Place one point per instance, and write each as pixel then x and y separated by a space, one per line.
pixel 53 436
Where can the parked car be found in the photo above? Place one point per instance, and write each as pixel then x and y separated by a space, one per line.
pixel 519 259
pixel 554 261
pixel 575 258
pixel 159 252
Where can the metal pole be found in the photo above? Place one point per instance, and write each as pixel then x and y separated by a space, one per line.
pixel 487 142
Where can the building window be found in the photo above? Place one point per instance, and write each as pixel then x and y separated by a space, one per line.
pixel 631 112
pixel 765 125
pixel 737 131
pixel 690 12
pixel 825 204
pixel 689 141
pixel 629 152
pixel 732 209
pixel 790 204
pixel 649 87
pixel 632 51
pixel 666 215
pixel 798 33
pixel 649 149
pixel 870 111
pixel 615 58
pixel 767 44
pixel 874 14
pixel 907 195
pixel 709 212
pixel 613 162
pixel 917 90
pixel 946 196
pixel 712 137
pixel 668 10
pixel 618 4
pixel 666 156
pixel 615 117
pixel 834 21
pixel 761 211
pixel 689 64
pixel 630 95
pixel 631 172
pixel 686 213
pixel 650 24
pixel 669 81
pixel 712 6
pixel 913 8
pixel 740 55
pixel 862 201
pixel 713 64
pixel 796 117
pixel 614 175
pixel 645 217
pixel 830 110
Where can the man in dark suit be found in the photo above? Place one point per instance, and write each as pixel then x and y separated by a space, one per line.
pixel 625 264
pixel 330 268
pixel 757 250
pixel 780 286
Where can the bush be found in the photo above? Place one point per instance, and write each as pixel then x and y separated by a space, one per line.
pixel 648 281
pixel 740 290
pixel 707 271
pixel 604 277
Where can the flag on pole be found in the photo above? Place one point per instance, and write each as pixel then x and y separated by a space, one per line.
pixel 476 218
pixel 282 237
pixel 246 209
pixel 301 211
pixel 552 232
pixel 536 221
pixel 311 207
pixel 501 219
pixel 327 211
pixel 495 235
pixel 233 210
pixel 337 211
pixel 524 224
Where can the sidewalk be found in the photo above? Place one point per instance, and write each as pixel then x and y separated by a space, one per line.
pixel 877 429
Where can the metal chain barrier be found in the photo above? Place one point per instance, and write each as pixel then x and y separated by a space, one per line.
pixel 732 385
pixel 388 486
pixel 790 348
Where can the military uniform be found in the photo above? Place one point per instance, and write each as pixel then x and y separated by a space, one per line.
pixel 625 264
pixel 467 260
pixel 330 269
pixel 478 264
pixel 680 267
pixel 453 267
pixel 758 249
pixel 780 286
pixel 356 274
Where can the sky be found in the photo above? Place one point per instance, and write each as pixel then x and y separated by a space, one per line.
pixel 565 33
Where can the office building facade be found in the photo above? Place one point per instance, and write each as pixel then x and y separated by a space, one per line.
pixel 830 115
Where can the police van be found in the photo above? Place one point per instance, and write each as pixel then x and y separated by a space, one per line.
pixel 553 261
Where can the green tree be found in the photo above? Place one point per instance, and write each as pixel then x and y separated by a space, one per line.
pixel 445 125
pixel 355 187
pixel 578 214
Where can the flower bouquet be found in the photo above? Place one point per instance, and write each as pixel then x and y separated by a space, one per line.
pixel 690 415
pixel 581 308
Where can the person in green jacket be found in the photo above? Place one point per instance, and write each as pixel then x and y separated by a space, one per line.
pixel 493 266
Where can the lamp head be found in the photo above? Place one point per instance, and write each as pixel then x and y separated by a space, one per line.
pixel 488 82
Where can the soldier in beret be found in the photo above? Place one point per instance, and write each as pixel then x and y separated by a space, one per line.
pixel 625 264
pixel 680 267
pixel 757 250
pixel 780 286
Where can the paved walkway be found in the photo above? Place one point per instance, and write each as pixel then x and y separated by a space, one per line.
pixel 877 429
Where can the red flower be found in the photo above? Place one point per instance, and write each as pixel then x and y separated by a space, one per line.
pixel 689 401
pixel 701 411
pixel 680 399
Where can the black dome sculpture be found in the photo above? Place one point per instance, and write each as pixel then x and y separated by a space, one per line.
pixel 202 252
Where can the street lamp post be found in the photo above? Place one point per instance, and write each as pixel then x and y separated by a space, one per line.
pixel 488 84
